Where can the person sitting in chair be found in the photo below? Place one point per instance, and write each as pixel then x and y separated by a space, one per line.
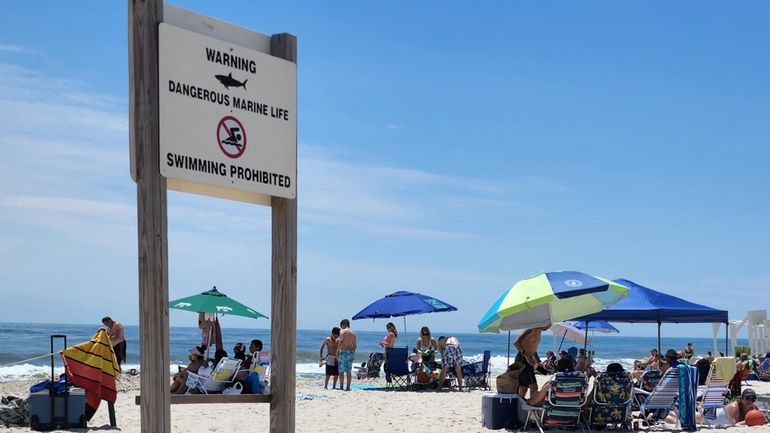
pixel 537 398
pixel 425 348
pixel 179 385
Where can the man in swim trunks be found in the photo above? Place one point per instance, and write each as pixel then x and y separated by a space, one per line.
pixel 345 351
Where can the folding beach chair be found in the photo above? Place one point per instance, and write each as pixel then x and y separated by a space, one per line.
pixel 763 370
pixel 396 367
pixel 476 374
pixel 221 377
pixel 610 400
pixel 713 396
pixel 661 400
pixel 648 381
pixel 563 405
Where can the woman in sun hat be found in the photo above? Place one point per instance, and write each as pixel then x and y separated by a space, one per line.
pixel 179 385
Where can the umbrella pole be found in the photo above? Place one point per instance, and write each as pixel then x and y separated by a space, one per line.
pixel 208 341
pixel 509 348
pixel 406 339
pixel 585 342
pixel 659 338
pixel 562 340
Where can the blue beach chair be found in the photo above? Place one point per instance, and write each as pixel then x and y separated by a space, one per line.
pixel 476 374
pixel 397 373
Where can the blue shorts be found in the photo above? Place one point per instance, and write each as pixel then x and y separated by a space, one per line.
pixel 346 361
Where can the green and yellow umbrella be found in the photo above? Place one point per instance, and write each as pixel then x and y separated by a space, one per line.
pixel 550 297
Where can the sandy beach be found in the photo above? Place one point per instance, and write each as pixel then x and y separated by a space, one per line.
pixel 359 410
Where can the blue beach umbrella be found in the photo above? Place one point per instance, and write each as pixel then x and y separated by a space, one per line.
pixel 403 304
pixel 596 326
pixel 551 297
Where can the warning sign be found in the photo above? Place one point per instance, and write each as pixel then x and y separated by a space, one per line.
pixel 228 123
pixel 231 136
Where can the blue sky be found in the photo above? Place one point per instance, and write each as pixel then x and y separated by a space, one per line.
pixel 446 149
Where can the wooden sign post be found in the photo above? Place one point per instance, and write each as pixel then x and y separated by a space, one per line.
pixel 144 112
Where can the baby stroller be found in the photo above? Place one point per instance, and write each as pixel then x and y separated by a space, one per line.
pixel 372 367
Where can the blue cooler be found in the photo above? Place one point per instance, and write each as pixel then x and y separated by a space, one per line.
pixel 500 411
pixel 48 412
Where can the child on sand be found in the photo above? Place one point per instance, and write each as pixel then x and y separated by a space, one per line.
pixel 332 369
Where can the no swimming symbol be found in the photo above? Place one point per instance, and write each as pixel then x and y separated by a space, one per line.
pixel 231 137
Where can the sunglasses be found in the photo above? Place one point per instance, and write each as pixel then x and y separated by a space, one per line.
pixel 426 333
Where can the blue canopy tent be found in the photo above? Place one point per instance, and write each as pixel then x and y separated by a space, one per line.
pixel 645 305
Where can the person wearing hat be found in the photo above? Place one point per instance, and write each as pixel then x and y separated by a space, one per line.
pixel 179 385
pixel 734 413
pixel 672 358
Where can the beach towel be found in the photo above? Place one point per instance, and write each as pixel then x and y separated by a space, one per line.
pixel 211 332
pixel 92 365
pixel 688 388
pixel 724 368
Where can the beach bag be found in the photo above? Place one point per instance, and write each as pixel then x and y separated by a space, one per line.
pixel 508 382
pixel 237 388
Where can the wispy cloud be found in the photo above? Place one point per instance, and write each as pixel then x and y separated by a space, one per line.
pixel 68 205
pixel 67 155
pixel 394 201
pixel 393 126
pixel 10 48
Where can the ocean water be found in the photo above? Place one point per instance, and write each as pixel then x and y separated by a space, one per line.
pixel 19 342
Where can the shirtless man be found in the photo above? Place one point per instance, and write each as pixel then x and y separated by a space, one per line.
pixel 527 344
pixel 117 338
pixel 345 351
pixel 332 369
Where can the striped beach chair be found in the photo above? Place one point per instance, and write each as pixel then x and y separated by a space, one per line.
pixel 713 396
pixel 563 405
pixel 763 370
pixel 661 400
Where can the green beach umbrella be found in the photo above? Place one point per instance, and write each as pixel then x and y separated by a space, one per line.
pixel 551 297
pixel 215 302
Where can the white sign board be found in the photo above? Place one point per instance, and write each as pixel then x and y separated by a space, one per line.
pixel 228 116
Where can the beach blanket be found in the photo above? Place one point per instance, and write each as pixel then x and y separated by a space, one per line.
pixel 92 365
pixel 688 388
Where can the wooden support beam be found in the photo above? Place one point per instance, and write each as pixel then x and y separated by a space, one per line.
pixel 143 19
pixel 213 398
pixel 283 317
